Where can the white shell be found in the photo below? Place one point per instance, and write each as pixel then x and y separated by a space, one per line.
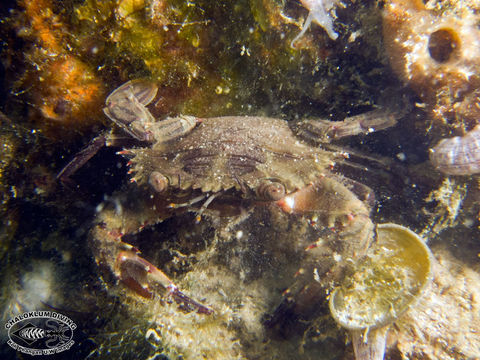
pixel 458 155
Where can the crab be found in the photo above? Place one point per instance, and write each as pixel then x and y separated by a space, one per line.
pixel 226 168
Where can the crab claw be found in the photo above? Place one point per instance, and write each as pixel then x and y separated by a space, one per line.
pixel 329 202
pixel 142 277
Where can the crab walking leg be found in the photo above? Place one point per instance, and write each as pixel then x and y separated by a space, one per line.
pixel 126 107
pixel 81 158
pixel 325 131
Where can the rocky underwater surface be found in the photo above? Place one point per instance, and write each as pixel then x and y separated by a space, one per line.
pixel 236 179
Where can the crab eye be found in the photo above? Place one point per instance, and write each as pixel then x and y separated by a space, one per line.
pixel 158 181
pixel 270 190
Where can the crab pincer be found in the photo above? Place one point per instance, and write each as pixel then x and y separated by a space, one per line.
pixel 144 278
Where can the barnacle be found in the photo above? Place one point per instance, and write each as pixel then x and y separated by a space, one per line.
pixel 458 155
pixel 435 48
pixel 436 51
